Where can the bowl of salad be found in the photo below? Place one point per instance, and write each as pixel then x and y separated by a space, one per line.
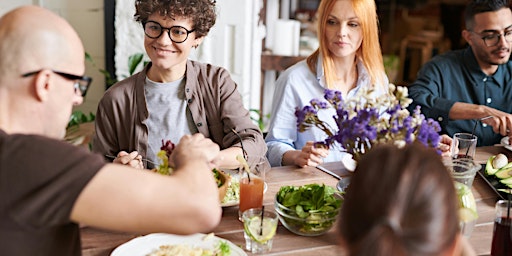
pixel 308 210
pixel 223 181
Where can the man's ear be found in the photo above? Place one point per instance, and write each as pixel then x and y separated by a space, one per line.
pixel 466 34
pixel 42 84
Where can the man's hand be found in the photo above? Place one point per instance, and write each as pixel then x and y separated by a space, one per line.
pixel 500 121
pixel 193 148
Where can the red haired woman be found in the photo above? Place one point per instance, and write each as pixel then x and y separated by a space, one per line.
pixel 348 59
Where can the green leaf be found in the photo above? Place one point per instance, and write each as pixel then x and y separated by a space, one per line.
pixel 78 117
pixel 258 118
pixel 88 57
pixel 133 61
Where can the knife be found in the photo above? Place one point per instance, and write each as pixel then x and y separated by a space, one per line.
pixel 321 168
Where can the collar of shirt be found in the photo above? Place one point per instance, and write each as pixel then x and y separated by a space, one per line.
pixel 476 72
pixel 363 78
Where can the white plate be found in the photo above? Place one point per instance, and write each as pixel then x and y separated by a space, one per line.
pixel 147 244
pixel 504 142
pixel 235 177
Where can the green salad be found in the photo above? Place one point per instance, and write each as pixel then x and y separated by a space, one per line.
pixel 233 192
pixel 316 204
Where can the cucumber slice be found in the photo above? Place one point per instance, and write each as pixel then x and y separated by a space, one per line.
pixel 489 169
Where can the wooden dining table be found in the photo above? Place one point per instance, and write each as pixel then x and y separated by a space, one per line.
pixel 97 242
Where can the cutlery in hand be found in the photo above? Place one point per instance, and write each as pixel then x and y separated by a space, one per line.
pixel 143 159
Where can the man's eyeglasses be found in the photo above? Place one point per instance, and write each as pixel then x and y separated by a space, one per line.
pixel 81 82
pixel 494 39
pixel 177 34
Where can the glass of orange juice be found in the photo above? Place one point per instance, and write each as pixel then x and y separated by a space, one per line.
pixel 252 186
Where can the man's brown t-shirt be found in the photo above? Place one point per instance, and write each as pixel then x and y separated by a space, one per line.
pixel 40 180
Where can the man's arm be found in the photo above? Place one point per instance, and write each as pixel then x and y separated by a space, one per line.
pixel 122 198
pixel 500 121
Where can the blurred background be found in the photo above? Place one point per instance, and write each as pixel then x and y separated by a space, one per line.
pixel 255 40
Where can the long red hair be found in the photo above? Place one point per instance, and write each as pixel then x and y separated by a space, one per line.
pixel 369 52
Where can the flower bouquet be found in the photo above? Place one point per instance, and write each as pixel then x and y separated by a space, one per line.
pixel 367 120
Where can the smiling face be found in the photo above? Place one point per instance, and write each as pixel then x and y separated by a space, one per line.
pixel 487 24
pixel 343 32
pixel 167 56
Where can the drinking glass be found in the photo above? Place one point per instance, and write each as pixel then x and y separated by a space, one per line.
pixel 501 236
pixel 463 145
pixel 463 171
pixel 252 185
pixel 259 229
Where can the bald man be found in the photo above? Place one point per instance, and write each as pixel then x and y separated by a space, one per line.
pixel 48 186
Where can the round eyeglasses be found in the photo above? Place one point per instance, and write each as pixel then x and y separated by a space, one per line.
pixel 495 38
pixel 177 34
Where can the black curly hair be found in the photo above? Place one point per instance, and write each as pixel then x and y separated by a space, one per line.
pixel 480 6
pixel 201 12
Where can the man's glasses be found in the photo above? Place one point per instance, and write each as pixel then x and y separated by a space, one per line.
pixel 494 39
pixel 177 34
pixel 81 82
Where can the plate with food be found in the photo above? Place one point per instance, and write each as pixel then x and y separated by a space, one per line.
pixel 232 197
pixel 160 244
pixel 506 144
pixel 497 173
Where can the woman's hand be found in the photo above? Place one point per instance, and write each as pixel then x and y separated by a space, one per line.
pixel 310 155
pixel 445 145
pixel 132 159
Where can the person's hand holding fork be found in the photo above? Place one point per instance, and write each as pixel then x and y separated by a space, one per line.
pixel 132 159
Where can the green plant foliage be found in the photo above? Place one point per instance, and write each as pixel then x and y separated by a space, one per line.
pixel 134 61
pixel 78 117
pixel 109 80
pixel 259 119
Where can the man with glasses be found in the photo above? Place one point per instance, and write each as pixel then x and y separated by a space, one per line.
pixel 48 186
pixel 461 87
pixel 81 82
pixel 173 95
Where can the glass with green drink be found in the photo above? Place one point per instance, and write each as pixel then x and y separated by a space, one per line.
pixel 259 229
pixel 463 171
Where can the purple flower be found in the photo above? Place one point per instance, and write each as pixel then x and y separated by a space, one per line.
pixel 319 104
pixel 363 123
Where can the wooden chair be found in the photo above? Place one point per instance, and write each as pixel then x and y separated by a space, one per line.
pixel 418 49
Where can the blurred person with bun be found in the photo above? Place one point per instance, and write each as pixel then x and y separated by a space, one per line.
pixel 401 201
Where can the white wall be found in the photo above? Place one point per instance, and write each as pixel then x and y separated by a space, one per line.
pixel 87 19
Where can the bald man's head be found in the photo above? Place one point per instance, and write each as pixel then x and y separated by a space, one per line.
pixel 34 38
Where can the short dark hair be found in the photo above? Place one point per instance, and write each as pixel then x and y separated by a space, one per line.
pixel 201 12
pixel 400 201
pixel 479 6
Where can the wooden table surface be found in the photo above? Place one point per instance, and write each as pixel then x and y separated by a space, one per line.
pixel 97 242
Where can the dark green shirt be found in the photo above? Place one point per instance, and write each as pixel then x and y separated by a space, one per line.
pixel 456 77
